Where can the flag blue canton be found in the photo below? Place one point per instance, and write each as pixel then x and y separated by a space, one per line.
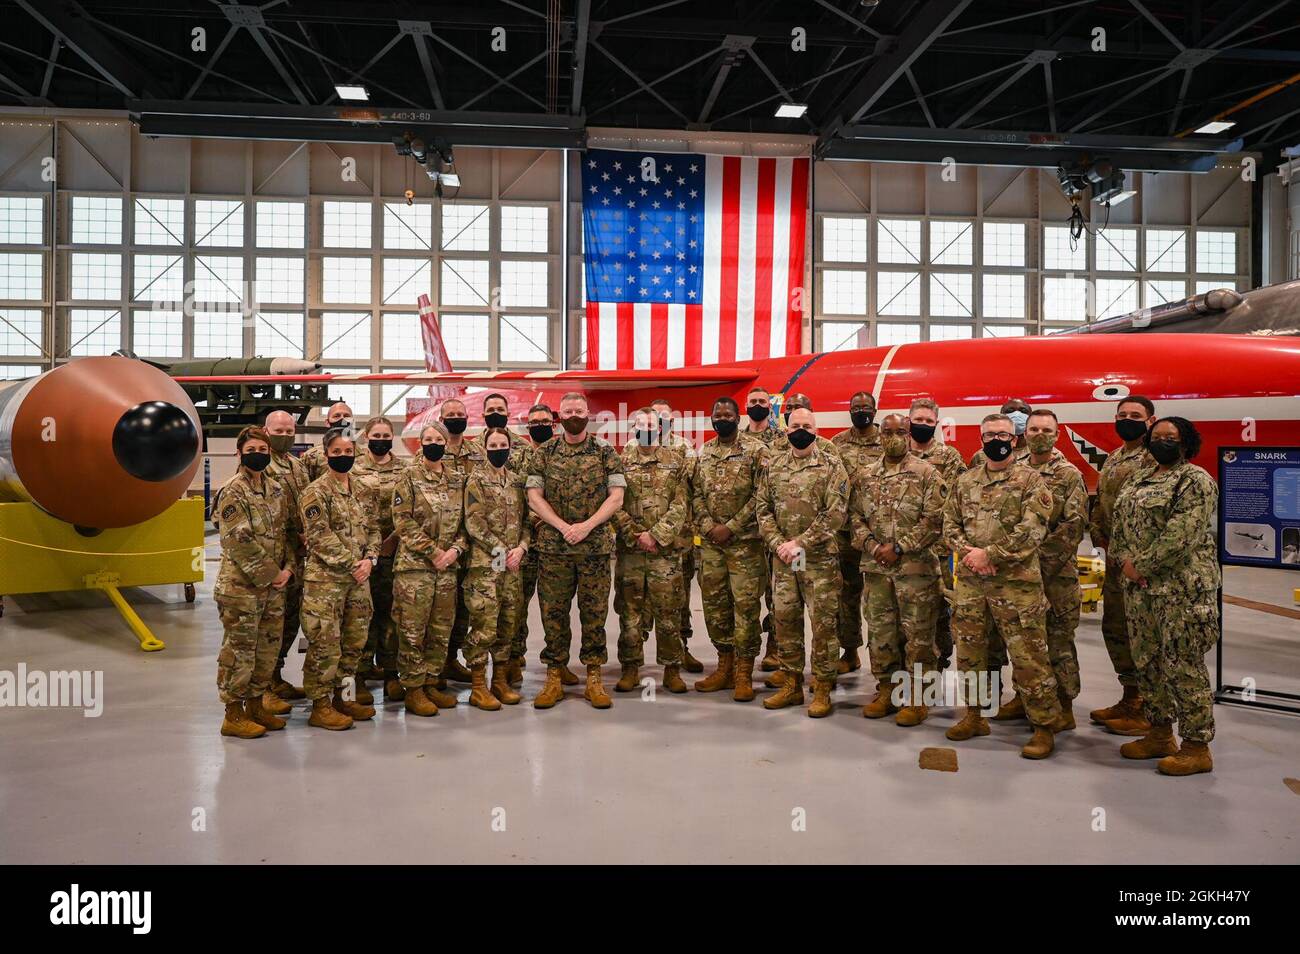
pixel 643 226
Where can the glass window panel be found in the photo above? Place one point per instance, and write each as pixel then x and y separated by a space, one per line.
pixel 525 228
pixel 464 227
pixel 280 280
pixel 158 278
pixel 1117 250
pixel 1004 243
pixel 16 372
pixel 1166 250
pixel 1004 295
pixel 844 335
pixel 466 337
pixel 347 224
pixel 96 220
pixel 392 401
pixel 464 282
pixel 345 280
pixel 898 241
pixel 281 224
pixel 1216 252
pixel 1116 296
pixel 22 220
pixel 952 243
pixel 94 331
pixel 1210 285
pixel 951 295
pixel 96 276
pixel 405 279
pixel 159 221
pixel 1163 292
pixel 20 276
pixel 20 332
pixel 218 223
pixel 218 278
pixel 1062 251
pixel 359 397
pixel 1003 331
pixel 524 284
pixel 1065 299
pixel 278 334
pixel 408 226
pixel 950 332
pixel 898 293
pixel 844 239
pixel 524 338
pixel 844 292
pixel 402 339
pixel 157 333
pixel 346 335
pixel 218 334
pixel 889 334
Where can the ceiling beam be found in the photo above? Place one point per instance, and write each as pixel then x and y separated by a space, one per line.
pixel 70 23
pixel 582 32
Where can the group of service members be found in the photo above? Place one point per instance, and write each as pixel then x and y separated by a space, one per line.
pixel 394 566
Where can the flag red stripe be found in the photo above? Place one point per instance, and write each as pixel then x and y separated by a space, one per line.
pixel 626 336
pixel 730 258
pixel 763 263
pixel 593 335
pixel 659 335
pixel 798 228
pixel 693 350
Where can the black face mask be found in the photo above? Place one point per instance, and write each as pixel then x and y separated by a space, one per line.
pixel 785 414
pixel 455 425
pixel 921 433
pixel 1129 429
pixel 724 428
pixel 541 433
pixel 341 465
pixel 1166 452
pixel 861 419
pixel 498 457
pixel 757 413
pixel 644 438
pixel 381 447
pixel 255 461
pixel 574 425
pixel 997 450
pixel 801 439
pixel 495 419
pixel 433 452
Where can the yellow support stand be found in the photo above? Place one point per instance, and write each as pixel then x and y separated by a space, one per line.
pixel 1092 573
pixel 108 583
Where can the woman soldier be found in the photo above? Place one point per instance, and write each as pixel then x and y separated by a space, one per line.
pixel 496 521
pixel 254 525
pixel 1163 538
pixel 342 552
pixel 378 469
pixel 427 513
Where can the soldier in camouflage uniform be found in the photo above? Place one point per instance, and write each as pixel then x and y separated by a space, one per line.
pixel 859 448
pixel 802 502
pixel 733 563
pixel 342 552
pixel 376 473
pixel 995 520
pixel 763 426
pixel 541 428
pixel 686 544
pixel 256 566
pixel 1018 410
pixel 281 432
pixel 462 456
pixel 1133 416
pixel 575 486
pixel 1163 539
pixel 896 514
pixel 648 568
pixel 428 509
pixel 313 461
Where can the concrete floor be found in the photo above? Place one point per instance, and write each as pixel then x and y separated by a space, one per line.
pixel 677 779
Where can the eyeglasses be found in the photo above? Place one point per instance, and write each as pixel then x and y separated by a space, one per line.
pixel 998 435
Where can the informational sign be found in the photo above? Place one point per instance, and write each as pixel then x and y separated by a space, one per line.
pixel 1259 506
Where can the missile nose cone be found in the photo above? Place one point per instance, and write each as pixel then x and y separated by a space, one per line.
pixel 155 441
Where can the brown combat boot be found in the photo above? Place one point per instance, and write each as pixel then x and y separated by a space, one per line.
pixel 882 705
pixel 724 677
pixel 971 725
pixel 274 704
pixel 771 661
pixel 443 700
pixel 1158 743
pixel 568 677
pixel 254 709
pixel 821 700
pixel 325 716
pixel 1011 711
pixel 501 687
pixel 363 695
pixel 552 690
pixel 393 690
pixel 284 689
pixel 790 694
pixel 595 692
pixel 630 678
pixel 690 663
pixel 359 711
pixel 673 679
pixel 1040 745
pixel 516 673
pixel 912 715
pixel 1191 759
pixel 238 725
pixel 417 703
pixel 849 662
pixel 479 696
pixel 1065 721
pixel 743 679
pixel 1129 705
pixel 777 679
pixel 1134 725
pixel 453 670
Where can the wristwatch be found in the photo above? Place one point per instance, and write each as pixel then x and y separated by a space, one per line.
pixel 374 562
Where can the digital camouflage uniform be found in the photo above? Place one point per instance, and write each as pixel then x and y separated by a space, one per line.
pixel 950 464
pixel 428 516
pixel 1058 560
pixel 857 452
pixel 651 586
pixel 336 609
pixel 1005 512
pixel 575 479
pixel 255 540
pixel 805 499
pixel 899 502
pixel 461 463
pixel 292 475
pixel 378 480
pixel 1164 522
pixel 496 522
pixel 1122 464
pixel 733 576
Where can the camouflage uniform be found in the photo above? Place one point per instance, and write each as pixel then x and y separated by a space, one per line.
pixel 899 502
pixel 686 542
pixel 427 514
pixel 805 499
pixel 773 440
pixel 857 452
pixel 1122 464
pixel 336 609
pixel 951 465
pixel 378 481
pixel 1058 559
pixel 576 480
pixel 292 475
pixel 770 436
pixel 313 462
pixel 461 463
pixel 496 522
pixel 1164 522
pixel 651 585
pixel 724 485
pixel 1019 455
pixel 254 549
pixel 1006 512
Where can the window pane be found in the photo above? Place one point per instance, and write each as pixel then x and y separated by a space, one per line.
pixel 1061 251
pixel 408 226
pixel 345 280
pixel 21 220
pixel 898 241
pixel 158 334
pixel 158 278
pixel 464 282
pixel 1163 292
pixel 844 240
pixel 20 277
pixel 524 285
pixel 1004 243
pixel 218 334
pixel 16 372
pixel 466 337
pixel 844 335
pixel 887 334
pixel 524 228
pixel 219 222
pixel 405 279
pixel 20 332
pixel 1004 295
pixel 950 332
pixel 1116 296
pixel 96 220
pixel 1216 252
pixel 1166 250
pixel 159 221
pixel 464 227
pixel 952 243
pixel 281 224
pixel 347 225
pixel 1065 299
pixel 278 334
pixel 898 293
pixel 950 295
pixel 94 331
pixel 218 278
pixel 356 396
pixel 346 335
pixel 96 276
pixel 1204 286
pixel 844 292
pixel 402 340
pixel 279 280
pixel 1004 331
pixel 1117 250
pixel 524 338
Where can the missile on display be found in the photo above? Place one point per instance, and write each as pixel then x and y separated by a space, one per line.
pixel 1269 311
pixel 232 393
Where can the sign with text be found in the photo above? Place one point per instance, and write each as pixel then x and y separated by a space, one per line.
pixel 1259 506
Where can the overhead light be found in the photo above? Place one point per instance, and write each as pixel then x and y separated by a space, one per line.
pixel 356 94
pixel 450 179
pixel 791 110
pixel 1216 126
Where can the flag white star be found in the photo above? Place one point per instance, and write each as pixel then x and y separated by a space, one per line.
pixel 667 167
pixel 618 190
pixel 694 167
pixel 594 190
pixel 691 293
pixel 644 193
pixel 618 166
pixel 604 177
pixel 694 193
pixel 654 279
pixel 681 181
pixel 667 293
pixel 591 164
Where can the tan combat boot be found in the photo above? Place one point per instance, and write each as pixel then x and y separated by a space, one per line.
pixel 516 673
pixel 274 704
pixel 971 725
pixel 1135 725
pixel 325 716
pixel 630 679
pixel 363 695
pixel 1040 744
pixel 777 679
pixel 849 662
pixel 912 715
pixel 690 663
pixel 393 690
pixel 358 711
pixel 595 692
pixel 453 670
pixel 1065 721
pixel 821 700
pixel 568 677
pixel 254 709
pixel 1191 759
pixel 443 700
pixel 1011 711
pixel 417 703
pixel 743 679
pixel 552 690
pixel 673 679
pixel 724 677
pixel 1158 743
pixel 882 705
pixel 284 689
pixel 238 725
pixel 771 660
pixel 1129 705
pixel 790 694
pixel 479 696
pixel 501 687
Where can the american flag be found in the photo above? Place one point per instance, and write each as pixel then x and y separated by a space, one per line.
pixel 692 259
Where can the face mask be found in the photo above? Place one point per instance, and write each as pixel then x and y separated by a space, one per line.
pixel 894 445
pixel 861 419
pixel 997 450
pixel 281 443
pixel 498 457
pixel 1019 419
pixel 433 452
pixel 1041 443
pixel 757 413
pixel 380 447
pixel 574 425
pixel 724 428
pixel 922 433
pixel 1166 452
pixel 343 422
pixel 785 414
pixel 644 438
pixel 1129 429
pixel 495 419
pixel 455 425
pixel 341 465
pixel 255 461
pixel 801 439
pixel 541 433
